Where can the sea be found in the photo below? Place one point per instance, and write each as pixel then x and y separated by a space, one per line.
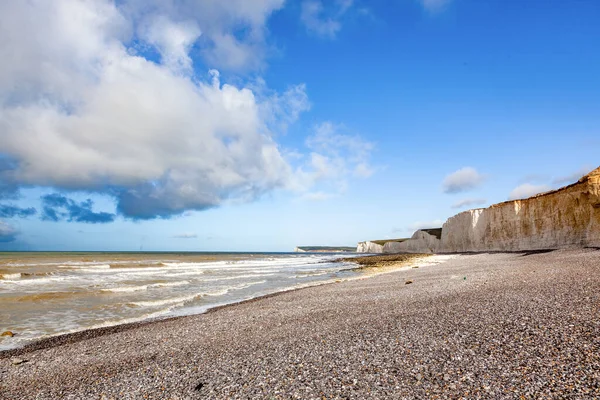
pixel 47 294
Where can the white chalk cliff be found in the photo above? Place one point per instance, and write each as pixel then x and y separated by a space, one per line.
pixel 567 217
pixel 562 218
pixel 422 241
pixel 369 247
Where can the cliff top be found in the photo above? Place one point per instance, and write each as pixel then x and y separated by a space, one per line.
pixel 437 232
pixel 585 178
pixel 595 172
pixel 384 241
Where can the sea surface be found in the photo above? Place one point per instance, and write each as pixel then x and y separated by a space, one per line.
pixel 45 294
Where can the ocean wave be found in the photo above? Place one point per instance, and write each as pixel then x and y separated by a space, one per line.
pixel 145 287
pixel 180 301
pixel 311 274
pixel 16 275
pixel 39 281
pixel 174 300
pixel 46 296
pixel 228 278
pixel 86 267
pixel 126 289
pixel 170 284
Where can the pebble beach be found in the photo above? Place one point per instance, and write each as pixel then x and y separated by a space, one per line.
pixel 501 326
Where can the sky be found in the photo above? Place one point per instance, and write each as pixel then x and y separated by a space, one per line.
pixel 182 125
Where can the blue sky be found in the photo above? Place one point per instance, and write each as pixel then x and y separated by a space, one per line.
pixel 259 126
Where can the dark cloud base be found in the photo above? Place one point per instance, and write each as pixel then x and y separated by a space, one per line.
pixel 57 207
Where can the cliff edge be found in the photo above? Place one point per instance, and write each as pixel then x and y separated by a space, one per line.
pixel 566 217
pixel 562 218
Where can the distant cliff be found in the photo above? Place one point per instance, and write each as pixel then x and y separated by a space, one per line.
pixel 375 246
pixel 566 217
pixel 423 241
pixel 324 249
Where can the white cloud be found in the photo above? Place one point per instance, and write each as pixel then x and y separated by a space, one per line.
pixel 7 233
pixel 152 135
pixel 468 203
pixel 527 190
pixel 155 135
pixel 464 179
pixel 434 5
pixel 186 235
pixel 220 22
pixel 574 177
pixel 335 158
pixel 321 21
pixel 172 40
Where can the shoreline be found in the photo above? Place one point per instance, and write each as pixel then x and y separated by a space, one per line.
pixel 480 326
pixel 368 270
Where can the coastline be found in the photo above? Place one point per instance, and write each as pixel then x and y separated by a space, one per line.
pixel 365 266
pixel 474 324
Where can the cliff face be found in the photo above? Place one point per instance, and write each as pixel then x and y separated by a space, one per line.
pixel 421 242
pixel 369 247
pixel 567 217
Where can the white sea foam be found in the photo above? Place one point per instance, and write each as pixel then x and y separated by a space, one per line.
pixel 145 287
pixel 171 284
pixel 126 289
pixel 311 274
pixel 40 281
pixel 86 266
pixel 16 275
pixel 156 303
pixel 217 292
pixel 228 278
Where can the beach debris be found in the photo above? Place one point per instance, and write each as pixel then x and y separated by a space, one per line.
pixel 17 361
pixel 8 333
pixel 408 282
pixel 199 386
pixel 465 278
pixel 415 266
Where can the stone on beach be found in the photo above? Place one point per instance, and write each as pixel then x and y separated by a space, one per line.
pixel 533 329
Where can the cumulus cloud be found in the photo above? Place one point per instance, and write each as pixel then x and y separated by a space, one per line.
pixel 10 211
pixel 187 235
pixel 81 110
pixel 321 21
pixel 105 97
pixel 7 233
pixel 335 158
pixel 229 34
pixel 463 180
pixel 469 203
pixel 58 208
pixel 573 177
pixel 527 190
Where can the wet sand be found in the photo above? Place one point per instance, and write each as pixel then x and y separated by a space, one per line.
pixel 476 326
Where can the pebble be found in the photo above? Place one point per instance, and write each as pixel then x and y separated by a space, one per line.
pixel 359 339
